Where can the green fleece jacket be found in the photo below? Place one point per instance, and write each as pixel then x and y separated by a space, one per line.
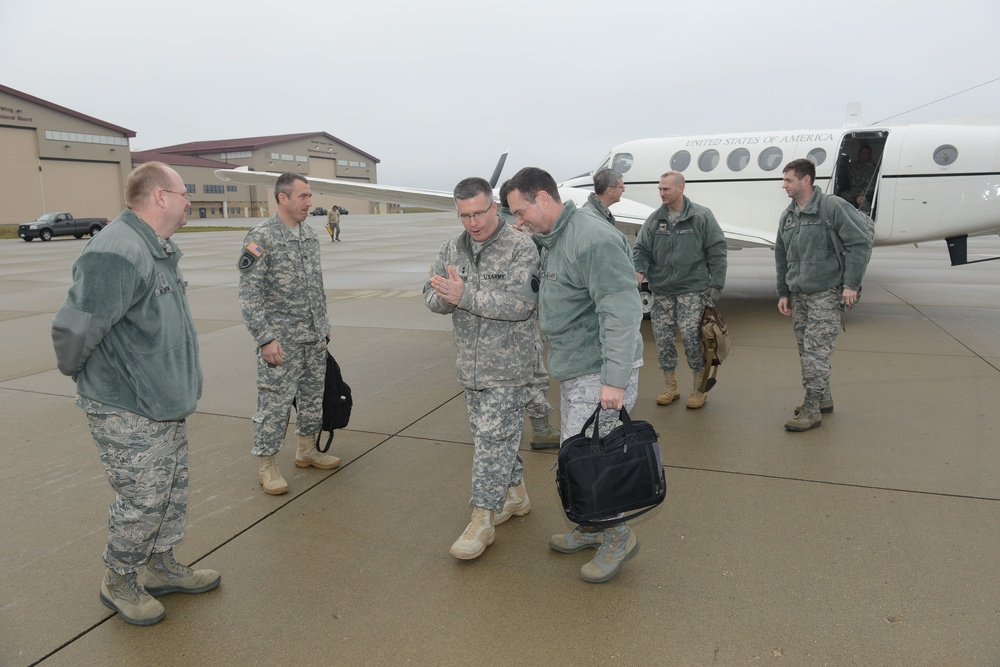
pixel 125 333
pixel 804 255
pixel 588 304
pixel 685 256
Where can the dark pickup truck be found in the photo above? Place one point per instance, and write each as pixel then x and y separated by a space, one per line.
pixel 60 224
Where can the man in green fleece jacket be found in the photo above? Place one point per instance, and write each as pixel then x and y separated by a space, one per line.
pixel 126 336
pixel 589 312
pixel 811 286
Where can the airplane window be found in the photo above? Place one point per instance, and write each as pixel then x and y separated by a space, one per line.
pixel 622 162
pixel 738 159
pixel 945 155
pixel 708 160
pixel 817 155
pixel 680 161
pixel 769 158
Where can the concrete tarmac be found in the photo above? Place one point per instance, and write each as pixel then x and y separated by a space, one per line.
pixel 874 540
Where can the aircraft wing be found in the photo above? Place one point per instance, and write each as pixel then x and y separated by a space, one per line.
pixel 432 199
pixel 629 214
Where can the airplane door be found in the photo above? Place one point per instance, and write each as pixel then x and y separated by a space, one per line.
pixel 857 174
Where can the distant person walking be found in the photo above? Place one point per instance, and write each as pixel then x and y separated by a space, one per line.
pixel 126 336
pixel 284 309
pixel 333 224
pixel 486 279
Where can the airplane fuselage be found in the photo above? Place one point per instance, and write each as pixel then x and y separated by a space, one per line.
pixel 933 181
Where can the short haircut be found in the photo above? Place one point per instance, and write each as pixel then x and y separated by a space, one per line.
pixel 802 168
pixel 469 188
pixel 532 180
pixel 286 183
pixel 605 178
pixel 143 180
pixel 676 175
pixel 504 191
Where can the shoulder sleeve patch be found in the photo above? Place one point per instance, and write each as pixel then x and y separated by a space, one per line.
pixel 251 253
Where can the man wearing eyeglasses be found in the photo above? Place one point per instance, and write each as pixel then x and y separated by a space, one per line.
pixel 284 309
pixel 486 279
pixel 126 336
pixel 589 312
pixel 609 186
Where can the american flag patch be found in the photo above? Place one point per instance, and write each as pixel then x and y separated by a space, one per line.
pixel 255 249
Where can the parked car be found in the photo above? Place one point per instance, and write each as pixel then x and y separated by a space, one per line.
pixel 343 211
pixel 60 224
pixel 319 210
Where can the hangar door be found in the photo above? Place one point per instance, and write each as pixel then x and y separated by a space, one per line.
pixel 20 185
pixel 85 189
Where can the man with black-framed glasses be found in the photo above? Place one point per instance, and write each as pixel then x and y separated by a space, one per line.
pixel 486 279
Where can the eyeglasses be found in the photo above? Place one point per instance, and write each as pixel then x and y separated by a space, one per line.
pixel 519 215
pixel 468 217
pixel 186 195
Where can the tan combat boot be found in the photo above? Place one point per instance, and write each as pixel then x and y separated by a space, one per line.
pixel 478 535
pixel 270 477
pixel 517 503
pixel 697 397
pixel 307 455
pixel 672 392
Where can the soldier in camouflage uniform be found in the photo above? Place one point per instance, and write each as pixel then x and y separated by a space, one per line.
pixel 681 252
pixel 861 177
pixel 284 309
pixel 811 287
pixel 126 336
pixel 589 311
pixel 486 279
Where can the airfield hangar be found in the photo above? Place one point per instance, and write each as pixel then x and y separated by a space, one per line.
pixel 58 159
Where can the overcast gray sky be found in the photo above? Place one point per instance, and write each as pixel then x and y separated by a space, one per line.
pixel 437 89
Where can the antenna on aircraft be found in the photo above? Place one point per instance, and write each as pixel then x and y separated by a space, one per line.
pixel 852 118
pixel 495 178
pixel 980 85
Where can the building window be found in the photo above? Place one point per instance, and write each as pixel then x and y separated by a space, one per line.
pixel 301 158
pixel 287 157
pixel 364 164
pixel 237 154
pixel 213 189
pixel 81 138
pixel 191 188
pixel 353 163
pixel 342 163
pixel 275 156
pixel 230 188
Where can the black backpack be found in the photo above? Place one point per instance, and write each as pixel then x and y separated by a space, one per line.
pixel 337 402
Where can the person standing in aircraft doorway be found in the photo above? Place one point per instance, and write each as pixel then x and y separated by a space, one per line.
pixel 609 186
pixel 811 288
pixel 681 253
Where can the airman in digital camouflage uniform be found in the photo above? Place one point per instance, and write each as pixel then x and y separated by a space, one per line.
pixel 284 309
pixel 486 279
pixel 811 286
pixel 544 434
pixel 590 313
pixel 126 336
pixel 681 253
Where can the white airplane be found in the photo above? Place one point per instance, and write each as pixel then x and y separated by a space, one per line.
pixel 933 181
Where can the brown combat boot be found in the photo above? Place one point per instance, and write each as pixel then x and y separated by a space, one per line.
pixel 543 436
pixel 808 417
